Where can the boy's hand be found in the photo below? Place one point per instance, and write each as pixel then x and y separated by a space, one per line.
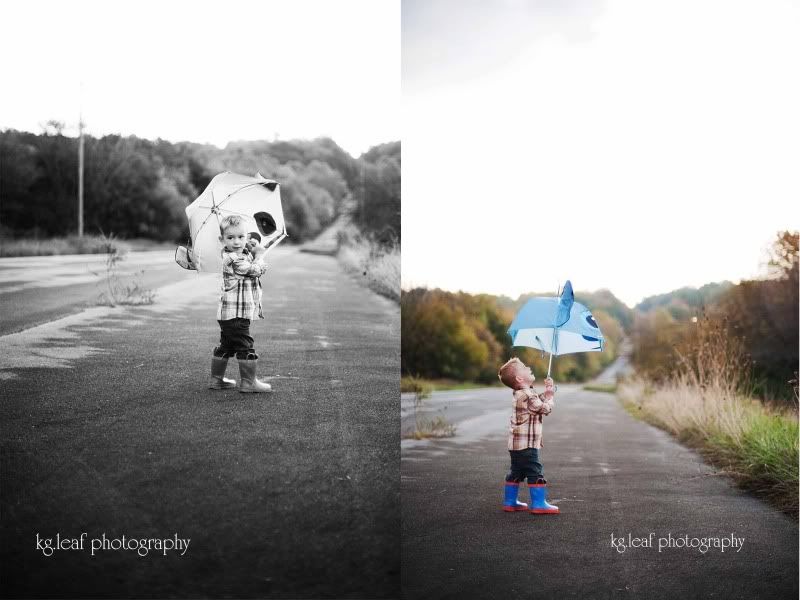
pixel 549 383
pixel 257 250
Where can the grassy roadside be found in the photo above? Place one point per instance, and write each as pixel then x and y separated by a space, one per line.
pixel 755 444
pixel 411 384
pixel 377 265
pixel 609 388
pixel 88 244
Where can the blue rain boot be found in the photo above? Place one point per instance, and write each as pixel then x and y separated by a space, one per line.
pixel 539 504
pixel 511 504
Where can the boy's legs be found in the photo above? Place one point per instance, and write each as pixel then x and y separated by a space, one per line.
pixel 235 339
pixel 537 486
pixel 519 462
pixel 237 332
pixel 525 464
pixel 534 470
pixel 219 360
pixel 513 478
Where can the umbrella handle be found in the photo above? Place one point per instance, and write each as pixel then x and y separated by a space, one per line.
pixel 553 346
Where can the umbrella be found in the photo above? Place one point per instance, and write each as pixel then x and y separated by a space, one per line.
pixel 557 326
pixel 256 199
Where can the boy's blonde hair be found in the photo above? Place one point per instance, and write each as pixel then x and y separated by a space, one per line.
pixel 229 221
pixel 508 372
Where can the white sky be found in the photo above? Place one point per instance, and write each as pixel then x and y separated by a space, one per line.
pixel 635 146
pixel 205 71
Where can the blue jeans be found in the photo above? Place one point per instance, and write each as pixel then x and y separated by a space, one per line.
pixel 525 463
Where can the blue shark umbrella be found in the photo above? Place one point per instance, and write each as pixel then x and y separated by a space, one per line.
pixel 557 326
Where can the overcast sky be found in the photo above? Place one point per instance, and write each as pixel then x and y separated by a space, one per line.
pixel 205 71
pixel 635 146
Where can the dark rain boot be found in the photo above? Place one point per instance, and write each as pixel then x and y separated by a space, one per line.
pixel 510 503
pixel 539 504
pixel 218 380
pixel 249 383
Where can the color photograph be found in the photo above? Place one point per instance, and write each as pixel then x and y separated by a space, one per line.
pixel 599 299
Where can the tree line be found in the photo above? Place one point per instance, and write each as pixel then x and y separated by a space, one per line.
pixel 758 318
pixel 139 188
pixel 455 335
pixel 464 337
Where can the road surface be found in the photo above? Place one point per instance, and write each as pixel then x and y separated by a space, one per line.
pixel 40 289
pixel 108 428
pixel 611 475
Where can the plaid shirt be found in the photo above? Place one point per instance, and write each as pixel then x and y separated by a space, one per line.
pixel 525 427
pixel 241 287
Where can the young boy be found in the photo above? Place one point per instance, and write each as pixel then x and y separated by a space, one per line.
pixel 239 303
pixel 525 437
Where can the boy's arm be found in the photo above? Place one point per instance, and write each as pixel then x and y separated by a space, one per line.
pixel 244 267
pixel 543 403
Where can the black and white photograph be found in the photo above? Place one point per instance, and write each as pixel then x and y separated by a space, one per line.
pixel 199 282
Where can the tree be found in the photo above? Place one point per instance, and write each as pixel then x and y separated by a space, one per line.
pixel 784 257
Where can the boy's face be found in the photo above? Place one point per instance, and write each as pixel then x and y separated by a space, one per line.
pixel 234 238
pixel 525 376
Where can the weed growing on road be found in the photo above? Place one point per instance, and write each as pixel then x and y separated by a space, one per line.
pixel 117 292
pixel 434 428
pixel 425 428
pixel 421 391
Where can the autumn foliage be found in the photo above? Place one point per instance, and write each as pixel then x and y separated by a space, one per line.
pixel 464 337
pixel 749 332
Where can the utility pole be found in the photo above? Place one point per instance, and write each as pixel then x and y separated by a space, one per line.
pixel 363 193
pixel 80 166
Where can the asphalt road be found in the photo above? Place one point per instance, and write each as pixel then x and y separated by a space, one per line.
pixel 40 289
pixel 108 428
pixel 610 474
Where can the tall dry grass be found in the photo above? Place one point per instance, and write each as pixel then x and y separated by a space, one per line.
pixel 706 404
pixel 378 265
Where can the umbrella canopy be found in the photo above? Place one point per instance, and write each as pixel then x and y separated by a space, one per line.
pixel 557 326
pixel 256 199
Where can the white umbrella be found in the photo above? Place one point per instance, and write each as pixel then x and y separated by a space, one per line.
pixel 256 199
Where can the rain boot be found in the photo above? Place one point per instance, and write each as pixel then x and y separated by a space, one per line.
pixel 511 504
pixel 218 380
pixel 539 503
pixel 249 382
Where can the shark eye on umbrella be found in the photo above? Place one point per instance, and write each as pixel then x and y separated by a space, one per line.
pixel 266 224
pixel 590 320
